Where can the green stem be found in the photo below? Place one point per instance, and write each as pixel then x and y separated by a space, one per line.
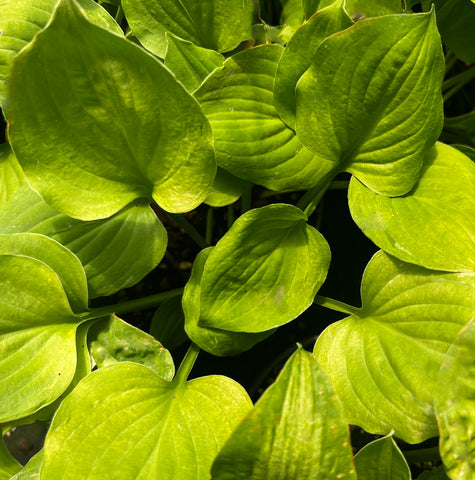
pixel 133 305
pixel 450 61
pixel 455 83
pixel 422 455
pixel 336 305
pixel 246 199
pixel 119 15
pixel 209 225
pixel 186 365
pixel 189 229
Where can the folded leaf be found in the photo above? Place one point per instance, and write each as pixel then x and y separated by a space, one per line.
pixel 124 422
pixel 120 127
pixel 434 224
pixel 384 362
pixel 371 101
pixel 295 431
pixel 264 272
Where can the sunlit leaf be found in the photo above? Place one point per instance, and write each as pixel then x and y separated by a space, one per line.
pixel 120 127
pixel 264 272
pixel 434 224
pixel 371 101
pixel 123 422
pixel 11 175
pixel 383 361
pixel 226 189
pixel 295 431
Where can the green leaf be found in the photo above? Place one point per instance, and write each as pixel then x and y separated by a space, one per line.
pixel 112 340
pixel 455 19
pixel 251 141
pixel 8 465
pixel 299 53
pixel 312 6
pixel 295 431
pixel 11 175
pixel 190 64
pixel 359 9
pixel 455 405
pixel 462 127
pixel 106 248
pixel 31 471
pixel 120 127
pixel 215 24
pixel 384 362
pixel 66 265
pixel 371 101
pixel 226 189
pixel 264 272
pixel 382 460
pixel 21 20
pixel 124 422
pixel 434 224
pixel 168 324
pixel 437 474
pixel 213 340
pixel 292 13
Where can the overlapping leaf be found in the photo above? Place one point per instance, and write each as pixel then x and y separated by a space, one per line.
pixel 251 140
pixel 215 24
pixel 371 102
pixel 382 460
pixel 112 340
pixel 21 20
pixel 123 422
pixel 11 175
pixel 108 249
pixel 455 405
pixel 433 225
pixel 264 272
pixel 213 340
pixel 384 361
pixel 8 465
pixel 168 324
pixel 295 431
pixel 120 127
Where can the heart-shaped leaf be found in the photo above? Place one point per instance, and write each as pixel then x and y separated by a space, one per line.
pixel 21 20
pixel 295 431
pixel 120 126
pixel 264 272
pixel 251 140
pixel 384 361
pixel 382 460
pixel 123 422
pixel 215 24
pixel 112 340
pixel 298 56
pixel 213 340
pixel 433 225
pixel 455 405
pixel 370 104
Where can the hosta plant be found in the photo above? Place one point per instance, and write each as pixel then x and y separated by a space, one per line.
pixel 135 128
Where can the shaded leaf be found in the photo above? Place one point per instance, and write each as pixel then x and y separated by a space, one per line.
pixel 434 224
pixel 120 127
pixel 31 471
pixel 112 340
pixel 296 430
pixel 360 9
pixel 11 175
pixel 168 324
pixel 226 189
pixel 215 24
pixel 124 422
pixel 8 465
pixel 264 272
pixel 371 101
pixel 384 361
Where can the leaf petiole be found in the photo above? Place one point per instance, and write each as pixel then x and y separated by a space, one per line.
pixel 336 305
pixel 186 365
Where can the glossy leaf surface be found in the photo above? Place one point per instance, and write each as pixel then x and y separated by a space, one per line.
pixel 299 53
pixel 382 460
pixel 264 272
pixel 190 64
pixel 296 430
pixel 108 249
pixel 21 20
pixel 213 340
pixel 120 127
pixel 251 140
pixel 384 360
pixel 455 406
pixel 123 421
pixel 112 340
pixel 371 102
pixel 215 24
pixel 434 224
